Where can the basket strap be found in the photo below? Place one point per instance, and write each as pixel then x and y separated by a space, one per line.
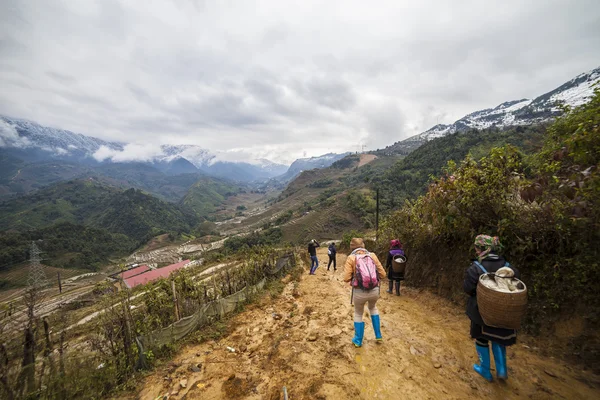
pixel 481 266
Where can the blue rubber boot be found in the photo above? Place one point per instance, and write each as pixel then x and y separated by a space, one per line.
pixel 359 332
pixel 500 360
pixel 377 327
pixel 483 368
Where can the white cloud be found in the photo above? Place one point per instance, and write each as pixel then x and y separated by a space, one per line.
pixel 9 137
pixel 130 152
pixel 288 76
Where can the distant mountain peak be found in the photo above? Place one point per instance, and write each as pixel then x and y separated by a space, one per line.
pixel 573 93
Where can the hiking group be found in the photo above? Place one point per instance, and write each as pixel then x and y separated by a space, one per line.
pixel 364 272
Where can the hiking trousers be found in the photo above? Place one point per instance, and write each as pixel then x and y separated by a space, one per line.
pixel 361 297
pixel 332 260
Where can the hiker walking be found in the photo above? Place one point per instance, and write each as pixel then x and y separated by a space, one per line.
pixel 487 249
pixel 332 252
pixel 395 273
pixel 312 251
pixel 364 271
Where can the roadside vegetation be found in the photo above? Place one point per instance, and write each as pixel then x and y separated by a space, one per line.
pixel 43 360
pixel 545 207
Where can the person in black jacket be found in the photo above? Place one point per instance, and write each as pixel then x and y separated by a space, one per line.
pixel 332 251
pixel 487 248
pixel 312 251
pixel 393 276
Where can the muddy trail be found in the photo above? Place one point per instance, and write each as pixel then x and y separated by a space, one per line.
pixel 302 340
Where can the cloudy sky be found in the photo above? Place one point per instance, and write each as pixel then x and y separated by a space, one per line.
pixel 282 79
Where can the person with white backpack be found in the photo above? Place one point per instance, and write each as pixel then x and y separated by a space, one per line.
pixel 364 272
pixel 332 252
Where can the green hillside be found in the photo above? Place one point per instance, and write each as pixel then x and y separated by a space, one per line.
pixel 90 203
pixel 329 201
pixel 207 195
pixel 146 177
pixel 65 245
pixel 408 177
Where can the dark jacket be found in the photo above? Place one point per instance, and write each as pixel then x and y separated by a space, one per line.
pixel 312 248
pixel 332 250
pixel 394 252
pixel 491 263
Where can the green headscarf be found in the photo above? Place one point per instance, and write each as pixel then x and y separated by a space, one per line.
pixel 489 244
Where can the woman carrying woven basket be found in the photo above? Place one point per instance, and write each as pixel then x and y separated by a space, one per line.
pixel 395 273
pixel 487 249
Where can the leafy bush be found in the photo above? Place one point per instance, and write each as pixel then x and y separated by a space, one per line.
pixel 269 237
pixel 282 219
pixel 546 210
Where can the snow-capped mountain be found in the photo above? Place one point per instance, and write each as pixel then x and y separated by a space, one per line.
pixel 573 93
pixel 33 142
pixel 50 142
pixel 304 164
pixel 197 155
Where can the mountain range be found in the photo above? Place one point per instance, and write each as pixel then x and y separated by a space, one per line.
pixel 30 142
pixel 520 112
pixel 33 156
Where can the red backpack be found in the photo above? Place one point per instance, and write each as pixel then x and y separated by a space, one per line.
pixel 365 272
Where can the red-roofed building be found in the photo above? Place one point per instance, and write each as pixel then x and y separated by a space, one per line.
pixel 134 271
pixel 153 275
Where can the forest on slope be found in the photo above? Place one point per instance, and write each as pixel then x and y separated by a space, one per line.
pixel 545 207
pixel 84 222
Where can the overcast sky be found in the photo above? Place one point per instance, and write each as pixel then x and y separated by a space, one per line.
pixel 282 79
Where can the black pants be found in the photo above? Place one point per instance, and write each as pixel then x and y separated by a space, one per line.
pixel 332 260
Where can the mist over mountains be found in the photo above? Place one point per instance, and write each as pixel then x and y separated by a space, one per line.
pixel 27 147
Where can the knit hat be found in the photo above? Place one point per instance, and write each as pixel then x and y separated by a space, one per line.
pixel 395 243
pixel 355 243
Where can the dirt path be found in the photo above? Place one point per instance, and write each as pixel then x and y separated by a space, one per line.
pixel 366 158
pixel 301 340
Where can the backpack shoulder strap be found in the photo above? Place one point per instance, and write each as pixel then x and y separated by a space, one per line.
pixel 360 248
pixel 480 266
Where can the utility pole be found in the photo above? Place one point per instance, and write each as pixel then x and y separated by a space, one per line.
pixel 377 216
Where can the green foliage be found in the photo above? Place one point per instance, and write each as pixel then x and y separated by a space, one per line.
pixel 546 211
pixel 206 195
pixel 346 162
pixel 133 213
pixel 285 217
pixel 65 245
pixel 362 204
pixel 409 176
pixel 321 183
pixel 347 237
pixel 269 237
pixel 206 228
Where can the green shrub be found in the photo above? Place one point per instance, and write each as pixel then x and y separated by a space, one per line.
pixel 545 209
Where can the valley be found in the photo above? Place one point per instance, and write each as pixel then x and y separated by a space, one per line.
pixel 231 241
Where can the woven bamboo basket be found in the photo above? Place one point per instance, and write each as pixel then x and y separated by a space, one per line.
pixel 500 309
pixel 399 264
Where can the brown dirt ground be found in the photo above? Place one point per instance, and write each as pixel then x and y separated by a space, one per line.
pixel 302 340
pixel 366 158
